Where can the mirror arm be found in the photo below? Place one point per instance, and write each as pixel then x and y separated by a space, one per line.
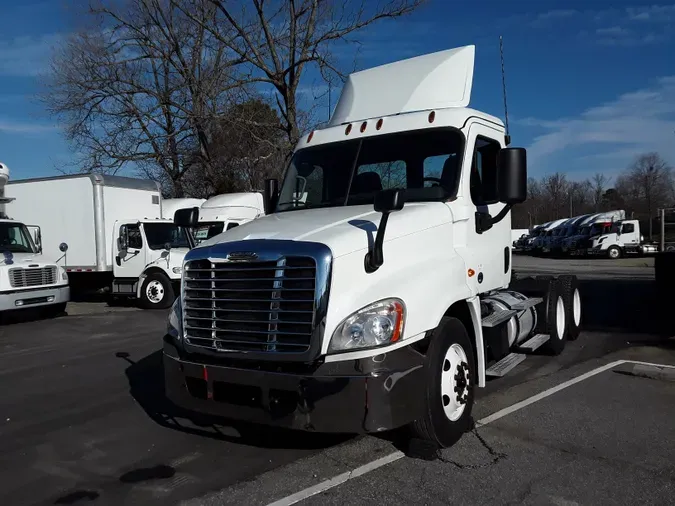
pixel 375 257
pixel 484 221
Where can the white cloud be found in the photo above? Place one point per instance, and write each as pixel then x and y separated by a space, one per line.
pixel 643 120
pixel 22 127
pixel 26 55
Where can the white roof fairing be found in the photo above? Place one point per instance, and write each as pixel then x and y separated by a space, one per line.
pixel 431 81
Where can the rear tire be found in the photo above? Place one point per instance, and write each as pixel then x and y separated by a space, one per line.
pixel 551 318
pixel 569 286
pixel 156 292
pixel 449 389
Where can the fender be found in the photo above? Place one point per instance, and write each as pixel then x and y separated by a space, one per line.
pixel 145 274
pixel 474 310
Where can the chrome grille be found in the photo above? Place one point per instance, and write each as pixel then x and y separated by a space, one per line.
pixel 35 276
pixel 265 306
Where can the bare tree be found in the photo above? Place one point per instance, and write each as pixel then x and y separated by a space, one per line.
pixel 598 184
pixel 138 86
pixel 555 191
pixel 647 185
pixel 278 41
pixel 247 146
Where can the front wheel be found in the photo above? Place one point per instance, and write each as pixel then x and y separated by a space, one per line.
pixel 614 252
pixel 449 386
pixel 156 292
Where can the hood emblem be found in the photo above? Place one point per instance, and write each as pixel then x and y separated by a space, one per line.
pixel 242 256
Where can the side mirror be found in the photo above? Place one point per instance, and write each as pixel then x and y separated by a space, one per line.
pixel 123 239
pixel 187 218
pixel 63 247
pixel 512 175
pixel 386 202
pixel 270 195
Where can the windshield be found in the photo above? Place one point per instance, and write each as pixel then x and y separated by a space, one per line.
pixel 14 237
pixel 599 228
pixel 424 162
pixel 207 230
pixel 161 234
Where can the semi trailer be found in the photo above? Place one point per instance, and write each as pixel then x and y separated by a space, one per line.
pixel 107 232
pixel 385 296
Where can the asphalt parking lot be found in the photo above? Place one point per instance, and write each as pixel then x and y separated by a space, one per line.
pixel 83 421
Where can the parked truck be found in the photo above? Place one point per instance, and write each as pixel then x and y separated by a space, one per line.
pixel 623 238
pixel 28 278
pixel 224 212
pixel 107 231
pixel 385 297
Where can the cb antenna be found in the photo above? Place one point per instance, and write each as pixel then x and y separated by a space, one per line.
pixel 507 138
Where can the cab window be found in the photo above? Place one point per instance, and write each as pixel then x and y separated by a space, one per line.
pixel 483 178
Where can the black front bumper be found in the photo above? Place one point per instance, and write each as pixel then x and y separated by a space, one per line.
pixel 355 396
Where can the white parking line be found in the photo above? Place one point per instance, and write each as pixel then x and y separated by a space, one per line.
pixel 392 457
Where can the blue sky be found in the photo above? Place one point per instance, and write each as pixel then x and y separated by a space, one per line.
pixel 591 84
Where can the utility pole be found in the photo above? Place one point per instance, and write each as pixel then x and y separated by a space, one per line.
pixel 662 213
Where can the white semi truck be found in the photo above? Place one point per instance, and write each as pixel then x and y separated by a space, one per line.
pixel 385 297
pixel 28 279
pixel 107 231
pixel 624 238
pixel 224 212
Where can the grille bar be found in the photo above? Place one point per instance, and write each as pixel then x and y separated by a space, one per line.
pixel 265 306
pixel 20 277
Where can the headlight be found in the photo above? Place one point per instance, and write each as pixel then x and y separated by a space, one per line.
pixel 176 270
pixel 174 325
pixel 64 275
pixel 375 325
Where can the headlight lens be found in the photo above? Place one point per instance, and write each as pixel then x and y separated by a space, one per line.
pixel 64 275
pixel 174 326
pixel 176 270
pixel 375 325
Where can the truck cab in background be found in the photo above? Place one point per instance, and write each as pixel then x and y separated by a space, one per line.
pixel 221 213
pixel 148 260
pixel 28 279
pixel 622 238
pixel 378 290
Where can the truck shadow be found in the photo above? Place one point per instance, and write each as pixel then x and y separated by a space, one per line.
pixel 623 305
pixel 146 386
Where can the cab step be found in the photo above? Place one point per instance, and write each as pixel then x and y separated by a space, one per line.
pixel 505 365
pixel 534 342
pixel 527 304
pixel 499 316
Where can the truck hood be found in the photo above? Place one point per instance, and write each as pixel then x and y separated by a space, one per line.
pixel 599 239
pixel 23 259
pixel 343 229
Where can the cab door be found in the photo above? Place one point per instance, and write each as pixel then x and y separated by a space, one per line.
pixel 129 254
pixel 489 247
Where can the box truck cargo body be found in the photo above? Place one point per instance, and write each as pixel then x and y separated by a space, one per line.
pixel 102 230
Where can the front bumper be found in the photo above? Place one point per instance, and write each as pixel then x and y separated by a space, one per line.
pixel 355 396
pixel 597 251
pixel 35 297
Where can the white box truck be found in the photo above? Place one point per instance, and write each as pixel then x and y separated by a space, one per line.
pixel 28 278
pixel 384 297
pixel 107 231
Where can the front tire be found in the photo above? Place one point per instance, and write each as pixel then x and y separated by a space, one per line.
pixel 156 292
pixel 614 252
pixel 449 388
